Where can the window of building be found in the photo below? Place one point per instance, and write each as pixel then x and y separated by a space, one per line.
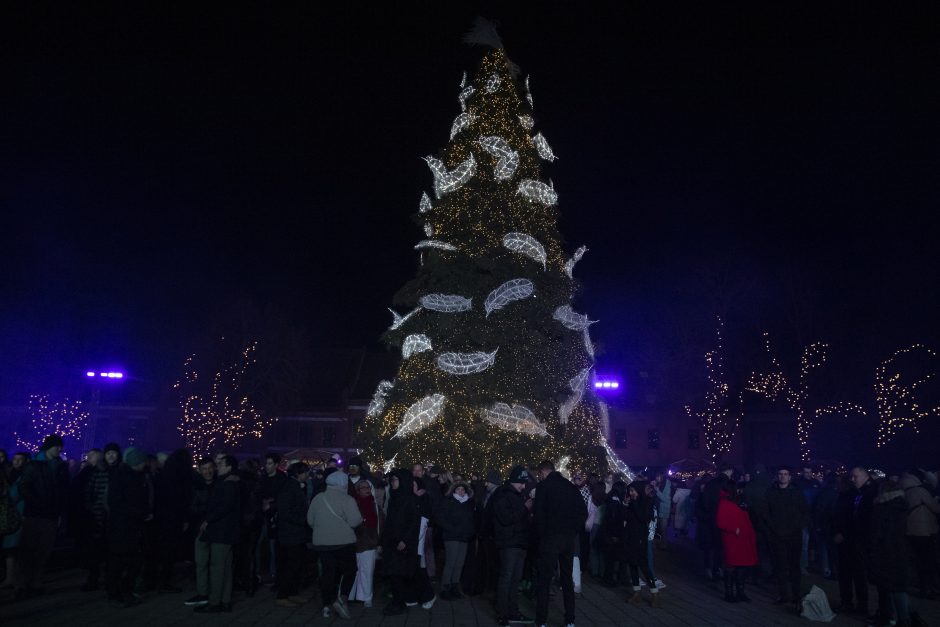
pixel 693 439
pixel 329 435
pixel 652 439
pixel 620 438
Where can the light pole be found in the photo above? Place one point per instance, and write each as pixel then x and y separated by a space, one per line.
pixel 94 377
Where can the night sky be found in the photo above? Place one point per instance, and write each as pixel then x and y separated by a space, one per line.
pixel 161 172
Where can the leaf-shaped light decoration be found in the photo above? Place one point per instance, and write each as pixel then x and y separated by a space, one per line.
pixel 604 418
pixel 538 191
pixel 420 415
pixel 576 384
pixel 415 343
pixel 433 243
pixel 495 145
pixel 429 229
pixel 588 345
pixel 465 363
pixel 425 205
pixel 508 158
pixel 446 182
pixel 463 80
pixel 575 258
pixel 465 93
pixel 518 418
pixel 390 464
pixel 506 166
pixel 398 320
pixel 461 122
pixel 526 245
pixel 571 320
pixel 516 289
pixel 492 84
pixel 527 122
pixel 528 93
pixel 446 303
pixel 544 150
pixel 577 381
pixel 377 404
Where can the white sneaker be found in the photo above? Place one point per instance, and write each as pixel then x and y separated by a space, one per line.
pixel 659 584
pixel 411 604
pixel 340 608
pixel 429 604
pixel 326 612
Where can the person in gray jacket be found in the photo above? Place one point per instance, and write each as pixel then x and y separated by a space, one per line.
pixel 922 530
pixel 334 515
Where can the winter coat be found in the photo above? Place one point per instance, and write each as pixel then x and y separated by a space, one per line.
pixel 291 503
pixel 922 507
pixel 402 524
pixel 89 508
pixel 787 513
pixel 172 495
pixel 128 507
pixel 707 535
pixel 842 515
pixel 613 533
pixel 378 493
pixel 637 518
pixel 373 520
pixel 664 494
pixel 45 487
pixel 824 509
pixel 737 533
pixel 889 559
pixel 456 520
pixel 223 513
pixel 861 518
pixel 681 501
pixel 333 514
pixel 558 507
pixel 269 489
pixel 510 518
pixel 199 500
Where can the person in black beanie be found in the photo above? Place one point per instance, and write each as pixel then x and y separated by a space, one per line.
pixel 511 511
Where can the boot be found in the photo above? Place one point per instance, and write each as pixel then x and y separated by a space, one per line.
pixel 729 588
pixel 445 594
pixel 655 600
pixel 635 598
pixel 739 587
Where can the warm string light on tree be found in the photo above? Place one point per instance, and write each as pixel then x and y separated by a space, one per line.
pixel 716 418
pixel 65 418
pixel 895 394
pixel 222 416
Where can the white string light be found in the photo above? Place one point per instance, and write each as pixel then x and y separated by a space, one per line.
pixel 571 320
pixel 377 404
pixel 420 415
pixel 446 303
pixel 446 182
pixel 492 84
pixel 415 343
pixel 516 289
pixel 518 418
pixel 429 229
pixel 895 398
pixel 425 205
pixel 528 93
pixel 544 150
pixel 576 384
pixel 465 93
pixel 526 245
pixel 527 122
pixel 538 191
pixel 463 80
pixel 465 363
pixel 398 320
pixel 462 121
pixel 433 243
pixel 569 265
pixel 508 159
pixel 588 345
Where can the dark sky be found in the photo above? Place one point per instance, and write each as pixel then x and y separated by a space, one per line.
pixel 777 166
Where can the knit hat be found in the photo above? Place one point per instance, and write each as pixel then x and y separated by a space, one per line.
pixel 134 456
pixel 492 476
pixel 112 446
pixel 50 441
pixel 519 474
pixel 338 479
pixel 355 461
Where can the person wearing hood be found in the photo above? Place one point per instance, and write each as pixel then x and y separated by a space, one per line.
pixel 456 522
pixel 44 488
pixel 511 514
pixel 409 582
pixel 738 540
pixel 890 559
pixel 293 535
pixel 128 510
pixel 640 512
pixel 334 515
pixel 358 471
pixel 220 530
pixel 367 542
pixel 612 534
pixel 922 530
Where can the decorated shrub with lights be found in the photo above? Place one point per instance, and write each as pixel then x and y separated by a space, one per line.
pixel 496 365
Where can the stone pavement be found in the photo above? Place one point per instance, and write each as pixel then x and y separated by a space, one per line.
pixel 688 600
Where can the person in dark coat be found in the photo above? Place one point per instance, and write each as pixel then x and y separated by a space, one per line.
pixel 511 512
pixel 89 516
pixel 172 496
pixel 638 515
pixel 220 530
pixel 738 540
pixel 271 485
pixel 707 536
pixel 755 502
pixel 202 486
pixel 400 546
pixel 128 511
pixel 245 552
pixel 559 513
pixel 852 582
pixel 823 509
pixel 293 535
pixel 612 534
pixel 862 509
pixel 786 516
pixel 456 522
pixel 890 561
pixel 44 488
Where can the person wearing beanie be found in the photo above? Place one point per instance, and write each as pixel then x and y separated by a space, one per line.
pixel 128 509
pixel 511 514
pixel 334 515
pixel 456 523
pixel 44 489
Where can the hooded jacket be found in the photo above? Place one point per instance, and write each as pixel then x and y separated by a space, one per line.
pixel 638 515
pixel 456 520
pixel 922 507
pixel 402 525
pixel 510 518
pixel 333 514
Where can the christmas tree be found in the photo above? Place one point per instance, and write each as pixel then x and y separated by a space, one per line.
pixel 496 365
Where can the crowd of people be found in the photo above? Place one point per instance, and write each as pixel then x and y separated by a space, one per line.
pixel 423 534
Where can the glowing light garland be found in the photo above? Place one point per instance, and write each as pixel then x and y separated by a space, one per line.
pixel 525 245
pixel 544 150
pixel 446 303
pixel 463 80
pixel 527 122
pixel 415 343
pixel 510 291
pixel 517 418
pixel 528 93
pixel 65 418
pixel 398 320
pixel 576 384
pixel 446 182
pixel 588 345
pixel 429 229
pixel 715 417
pixel 895 399
pixel 773 385
pixel 223 416
pixel 433 243
pixel 461 122
pixel 465 363
pixel 425 205
pixel 508 159
pixel 377 404
pixel 465 94
pixel 538 191
pixel 420 415
pixel 605 419
pixel 492 84
pixel 571 320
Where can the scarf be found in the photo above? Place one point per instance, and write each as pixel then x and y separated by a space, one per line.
pixel 370 517
pixel 462 499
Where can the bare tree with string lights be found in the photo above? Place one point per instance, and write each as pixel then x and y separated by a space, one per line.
pixel 896 386
pixel 716 418
pixel 64 417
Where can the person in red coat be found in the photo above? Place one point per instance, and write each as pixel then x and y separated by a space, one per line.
pixel 738 540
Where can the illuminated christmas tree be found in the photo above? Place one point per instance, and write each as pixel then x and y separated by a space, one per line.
pixel 496 366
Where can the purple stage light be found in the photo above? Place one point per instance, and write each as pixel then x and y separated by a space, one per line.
pixel 606 384
pixel 89 374
pixel 104 375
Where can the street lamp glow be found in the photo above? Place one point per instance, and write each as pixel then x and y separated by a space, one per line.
pixel 606 384
pixel 104 375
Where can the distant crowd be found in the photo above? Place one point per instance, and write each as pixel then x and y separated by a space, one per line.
pixel 423 534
